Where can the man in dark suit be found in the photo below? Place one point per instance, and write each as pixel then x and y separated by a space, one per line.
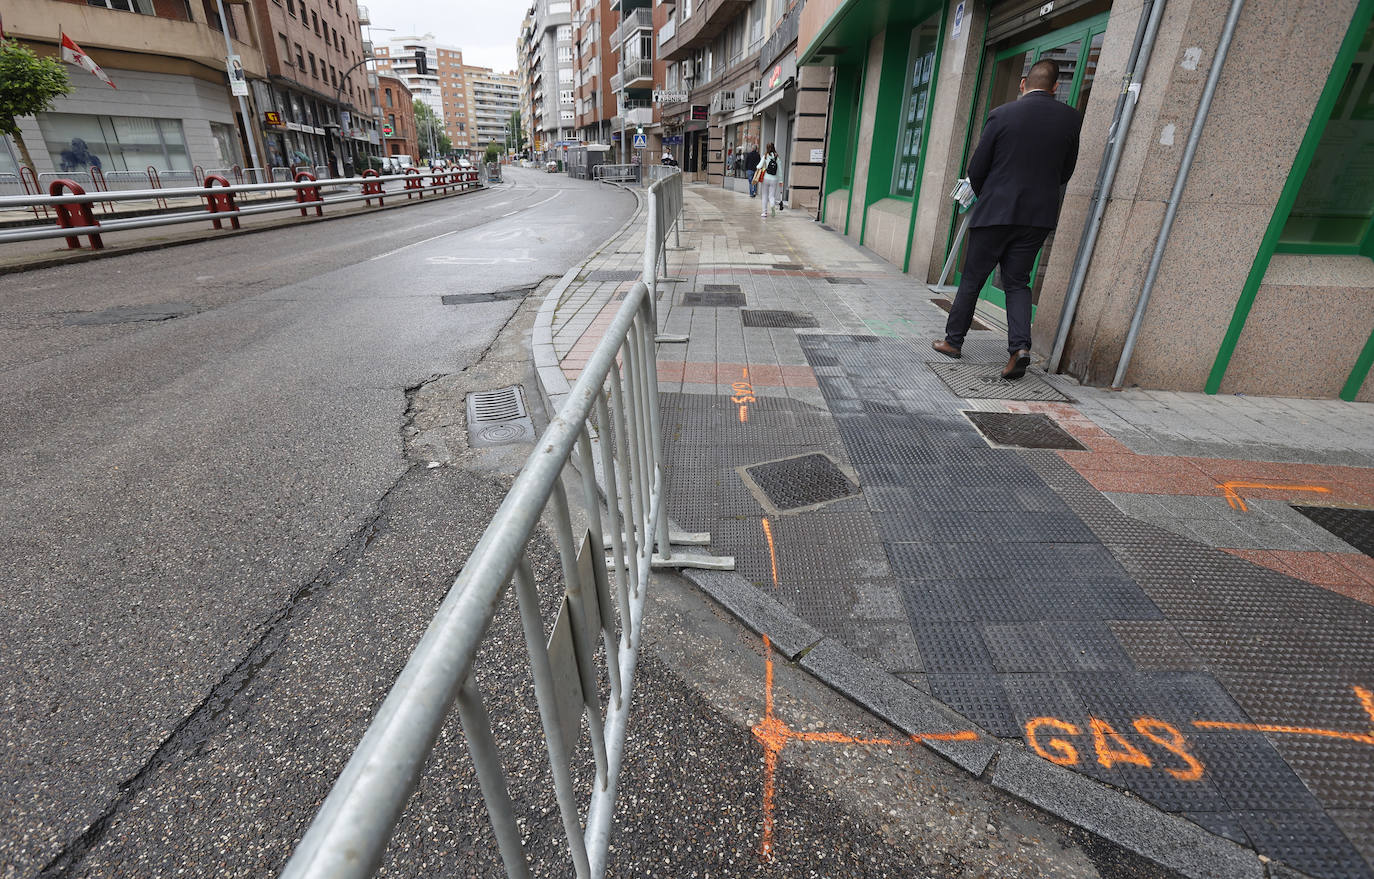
pixel 1027 152
pixel 751 164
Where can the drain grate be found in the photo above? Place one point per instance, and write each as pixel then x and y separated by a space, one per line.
pixel 836 279
pixel 128 314
pixel 1355 527
pixel 488 296
pixel 758 317
pixel 1024 431
pixel 801 482
pixel 983 381
pixel 945 305
pixel 788 266
pixel 613 275
pixel 499 417
pixel 715 298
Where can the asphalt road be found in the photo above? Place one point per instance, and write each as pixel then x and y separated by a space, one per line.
pixel 221 535
pixel 168 488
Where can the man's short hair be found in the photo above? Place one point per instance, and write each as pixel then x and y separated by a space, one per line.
pixel 1044 74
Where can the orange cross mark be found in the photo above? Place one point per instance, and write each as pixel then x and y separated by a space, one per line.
pixel 1228 489
pixel 1367 738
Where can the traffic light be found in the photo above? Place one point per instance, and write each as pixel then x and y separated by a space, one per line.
pixel 421 63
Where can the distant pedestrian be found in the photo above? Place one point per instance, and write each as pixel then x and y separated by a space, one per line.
pixel 751 165
pixel 767 173
pixel 668 159
pixel 1026 153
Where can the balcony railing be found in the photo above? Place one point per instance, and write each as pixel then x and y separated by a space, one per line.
pixel 640 19
pixel 363 17
pixel 708 21
pixel 633 72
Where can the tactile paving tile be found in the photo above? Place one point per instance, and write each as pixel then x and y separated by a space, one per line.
pixel 801 481
pixel 1155 645
pixel 1023 430
pixel 1355 527
pixel 953 648
pixel 758 317
pixel 1155 785
pixel 977 697
pixel 1249 773
pixel 713 299
pixel 1340 773
pixel 983 381
pixel 1307 841
pixel 1039 695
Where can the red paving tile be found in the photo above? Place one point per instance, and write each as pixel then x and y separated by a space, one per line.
pixel 1362 565
pixel 700 373
pixel 765 374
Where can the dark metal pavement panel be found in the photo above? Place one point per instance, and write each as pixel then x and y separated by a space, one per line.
pixel 1021 647
pixel 788 266
pixel 613 275
pixel 1249 773
pixel 756 317
pixel 838 279
pixel 1155 645
pixel 1307 841
pixel 896 702
pixel 751 607
pixel 801 481
pixel 1173 842
pixel 1340 773
pixel 1358 827
pixel 979 698
pixel 983 381
pixel 713 299
pixel 1023 429
pixel 1355 527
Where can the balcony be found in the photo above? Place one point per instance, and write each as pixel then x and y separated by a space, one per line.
pixel 708 21
pixel 666 33
pixel 363 17
pixel 640 19
pixel 634 74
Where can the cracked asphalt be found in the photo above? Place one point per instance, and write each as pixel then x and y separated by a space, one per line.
pixel 223 533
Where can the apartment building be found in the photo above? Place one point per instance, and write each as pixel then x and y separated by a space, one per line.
pixel 525 47
pixel 434 73
pixel 318 83
pixel 172 108
pixel 638 72
pixel 398 116
pixel 492 99
pixel 594 24
pixel 548 53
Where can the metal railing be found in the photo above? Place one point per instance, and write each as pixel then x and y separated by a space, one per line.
pixel 610 421
pixel 616 173
pixel 310 193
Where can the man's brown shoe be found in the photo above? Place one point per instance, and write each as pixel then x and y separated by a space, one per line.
pixel 1016 366
pixel 946 348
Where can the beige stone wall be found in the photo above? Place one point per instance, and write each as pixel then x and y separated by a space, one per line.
pixel 872 74
pixel 885 234
pixel 1244 157
pixel 837 209
pixel 813 103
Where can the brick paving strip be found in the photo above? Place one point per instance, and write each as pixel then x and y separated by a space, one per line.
pixel 1155 613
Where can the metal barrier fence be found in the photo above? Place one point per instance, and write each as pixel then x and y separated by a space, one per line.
pixel 616 173
pixel 75 217
pixel 610 419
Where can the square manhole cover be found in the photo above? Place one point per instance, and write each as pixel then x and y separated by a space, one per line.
pixel 1023 430
pixel 788 266
pixel 835 279
pixel 709 298
pixel 499 417
pixel 758 317
pixel 983 381
pixel 1355 527
pixel 802 482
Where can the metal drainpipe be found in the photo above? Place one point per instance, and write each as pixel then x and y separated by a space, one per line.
pixel 1126 101
pixel 1213 75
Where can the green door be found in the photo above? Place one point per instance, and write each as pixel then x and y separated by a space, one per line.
pixel 1077 48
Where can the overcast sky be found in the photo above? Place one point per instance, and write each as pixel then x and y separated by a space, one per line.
pixel 485 30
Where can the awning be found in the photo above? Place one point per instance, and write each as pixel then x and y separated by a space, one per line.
pixel 773 97
pixel 843 37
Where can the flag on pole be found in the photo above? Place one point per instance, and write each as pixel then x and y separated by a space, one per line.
pixel 73 54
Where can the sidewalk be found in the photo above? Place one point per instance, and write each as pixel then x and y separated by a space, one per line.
pixel 1070 592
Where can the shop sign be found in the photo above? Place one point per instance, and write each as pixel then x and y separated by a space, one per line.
pixel 781 72
pixel 387 130
pixel 272 118
pixel 669 96
pixel 700 113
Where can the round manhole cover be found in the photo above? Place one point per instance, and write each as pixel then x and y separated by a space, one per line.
pixel 501 433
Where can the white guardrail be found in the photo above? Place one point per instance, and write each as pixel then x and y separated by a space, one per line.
pixel 75 217
pixel 609 420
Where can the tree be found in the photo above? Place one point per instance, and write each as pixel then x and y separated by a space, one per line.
pixel 28 86
pixel 493 153
pixel 517 133
pixel 429 129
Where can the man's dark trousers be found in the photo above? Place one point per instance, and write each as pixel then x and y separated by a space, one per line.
pixel 1015 248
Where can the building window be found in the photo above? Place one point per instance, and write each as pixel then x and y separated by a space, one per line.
pixel 300 59
pixel 142 7
pixel 920 70
pixel 285 50
pixel 291 8
pixel 388 98
pixel 314 70
pixel 1333 211
pixel 79 142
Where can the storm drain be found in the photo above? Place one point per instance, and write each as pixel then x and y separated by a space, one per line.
pixel 489 296
pixel 798 483
pixel 613 275
pixel 788 266
pixel 1355 527
pixel 758 317
pixel 715 296
pixel 128 314
pixel 838 279
pixel 499 417
pixel 983 381
pixel 1024 431
pixel 945 305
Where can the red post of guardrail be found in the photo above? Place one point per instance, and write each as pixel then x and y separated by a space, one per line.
pixel 414 183
pixel 155 182
pixel 75 215
pixel 372 187
pixel 237 171
pixel 98 180
pixel 218 202
pixel 309 194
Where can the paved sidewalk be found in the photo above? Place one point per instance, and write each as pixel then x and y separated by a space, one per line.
pixel 1073 592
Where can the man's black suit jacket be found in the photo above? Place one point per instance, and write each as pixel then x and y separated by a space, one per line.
pixel 1027 151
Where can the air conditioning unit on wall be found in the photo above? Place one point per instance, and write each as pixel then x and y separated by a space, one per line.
pixel 687 70
pixel 750 93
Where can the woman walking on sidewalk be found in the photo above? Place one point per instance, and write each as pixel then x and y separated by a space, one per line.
pixel 769 167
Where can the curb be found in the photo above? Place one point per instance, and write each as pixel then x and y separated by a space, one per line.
pixel 553 384
pixel 80 256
